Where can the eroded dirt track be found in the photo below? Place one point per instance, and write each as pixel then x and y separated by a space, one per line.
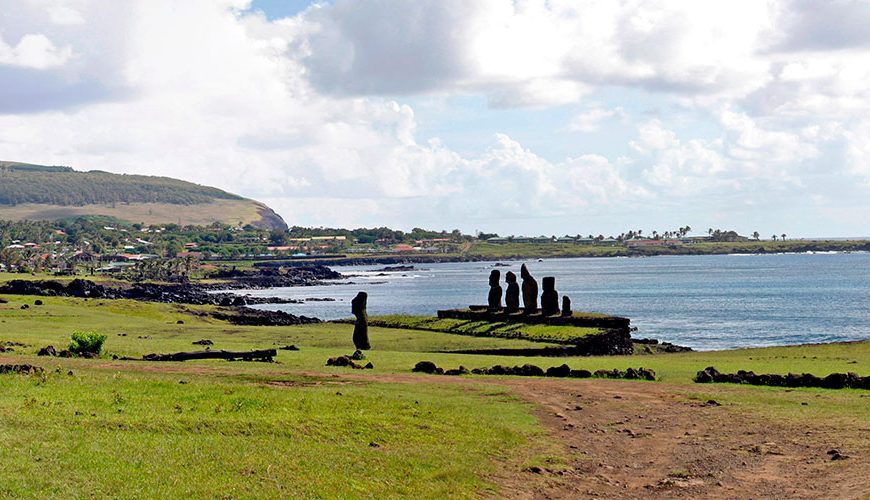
pixel 647 440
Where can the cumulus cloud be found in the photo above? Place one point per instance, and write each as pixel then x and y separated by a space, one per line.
pixel 34 50
pixel 315 113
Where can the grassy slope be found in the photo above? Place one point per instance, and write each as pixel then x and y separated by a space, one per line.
pixel 255 429
pixel 227 211
pixel 537 333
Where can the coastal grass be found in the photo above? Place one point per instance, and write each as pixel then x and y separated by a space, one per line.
pixel 290 428
pixel 132 433
pixel 136 328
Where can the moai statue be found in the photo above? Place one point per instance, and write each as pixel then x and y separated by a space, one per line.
pixel 549 297
pixel 512 295
pixel 530 291
pixel 566 307
pixel 361 326
pixel 494 291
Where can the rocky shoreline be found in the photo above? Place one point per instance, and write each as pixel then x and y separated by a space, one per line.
pixel 183 293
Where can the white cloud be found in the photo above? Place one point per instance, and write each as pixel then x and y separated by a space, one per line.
pixel 311 113
pixel 34 50
pixel 590 120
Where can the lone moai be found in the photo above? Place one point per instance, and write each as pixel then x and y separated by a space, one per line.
pixel 530 291
pixel 512 295
pixel 566 307
pixel 494 299
pixel 549 297
pixel 361 326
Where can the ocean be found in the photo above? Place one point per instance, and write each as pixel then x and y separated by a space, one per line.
pixel 705 302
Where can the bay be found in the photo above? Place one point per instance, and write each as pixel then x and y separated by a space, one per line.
pixel 704 302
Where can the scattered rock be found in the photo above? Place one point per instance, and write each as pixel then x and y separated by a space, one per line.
pixel 23 369
pixel 203 342
pixel 357 355
pixel 25 306
pixel 425 367
pixel 712 402
pixel 47 351
pixel 289 348
pixel 832 381
pixel 37 302
pixel 562 370
pixel 369 366
pixel 179 322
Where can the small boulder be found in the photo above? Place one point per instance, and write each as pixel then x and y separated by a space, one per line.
pixel 529 370
pixel 37 302
pixel 369 366
pixel 47 351
pixel 425 367
pixel 559 371
pixel 203 342
pixel 357 355
pixel 581 373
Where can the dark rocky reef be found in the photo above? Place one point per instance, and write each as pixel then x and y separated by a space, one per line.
pixel 256 317
pixel 269 277
pixel 175 293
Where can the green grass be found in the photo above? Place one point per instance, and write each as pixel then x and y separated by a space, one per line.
pixel 137 434
pixel 132 428
pixel 536 333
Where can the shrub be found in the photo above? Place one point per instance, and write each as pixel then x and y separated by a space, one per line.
pixel 83 342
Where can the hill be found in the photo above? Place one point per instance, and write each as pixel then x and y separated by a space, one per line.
pixel 37 192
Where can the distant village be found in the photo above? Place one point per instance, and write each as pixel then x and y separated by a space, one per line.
pixel 94 247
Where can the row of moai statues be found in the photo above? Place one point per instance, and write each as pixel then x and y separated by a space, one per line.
pixel 549 296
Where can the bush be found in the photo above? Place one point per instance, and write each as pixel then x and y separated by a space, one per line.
pixel 83 342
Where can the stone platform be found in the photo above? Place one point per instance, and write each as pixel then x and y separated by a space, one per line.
pixel 481 313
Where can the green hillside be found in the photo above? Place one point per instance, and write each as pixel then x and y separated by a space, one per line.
pixel 36 192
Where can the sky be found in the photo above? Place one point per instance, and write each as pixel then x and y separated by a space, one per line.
pixel 524 117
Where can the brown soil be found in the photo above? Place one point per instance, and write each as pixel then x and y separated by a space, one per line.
pixel 647 440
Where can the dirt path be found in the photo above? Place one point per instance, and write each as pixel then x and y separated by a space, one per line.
pixel 642 440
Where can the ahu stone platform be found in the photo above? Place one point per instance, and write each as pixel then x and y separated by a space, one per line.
pixel 482 313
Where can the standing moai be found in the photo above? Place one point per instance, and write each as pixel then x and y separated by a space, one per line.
pixel 512 295
pixel 361 326
pixel 566 307
pixel 530 291
pixel 549 297
pixel 494 299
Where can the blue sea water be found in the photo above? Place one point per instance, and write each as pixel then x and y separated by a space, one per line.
pixel 705 302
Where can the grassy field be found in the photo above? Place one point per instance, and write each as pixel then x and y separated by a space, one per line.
pixel 290 428
pixel 226 211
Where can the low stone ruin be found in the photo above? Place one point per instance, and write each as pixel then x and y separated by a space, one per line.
pixel 529 370
pixel 833 381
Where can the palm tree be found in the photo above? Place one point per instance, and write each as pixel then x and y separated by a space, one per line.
pixel 774 237
pixel 756 235
pixel 782 236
